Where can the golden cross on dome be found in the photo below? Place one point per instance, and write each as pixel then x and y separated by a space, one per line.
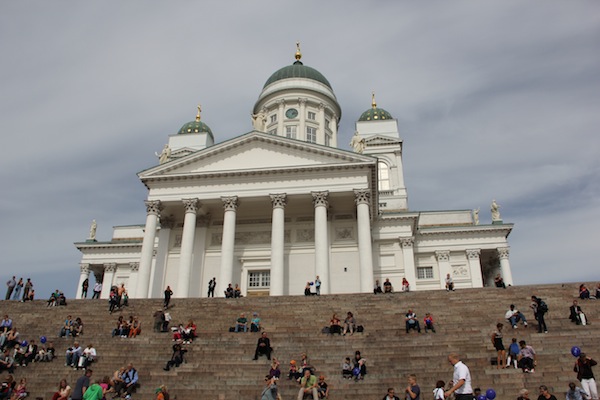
pixel 373 103
pixel 198 115
pixel 298 53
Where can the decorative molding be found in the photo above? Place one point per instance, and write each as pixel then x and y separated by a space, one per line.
pixel 302 101
pixel 460 271
pixel 191 205
pixel 320 199
pixel 153 207
pixel 230 203
pixel 407 242
pixel 442 255
pixel 503 252
pixel 362 196
pixel 84 268
pixel 278 200
pixel 305 235
pixel 110 267
pixel 135 266
pixel 321 106
pixel 281 103
pixel 473 254
pixel 344 233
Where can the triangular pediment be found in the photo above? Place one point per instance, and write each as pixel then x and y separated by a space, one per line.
pixel 381 140
pixel 256 151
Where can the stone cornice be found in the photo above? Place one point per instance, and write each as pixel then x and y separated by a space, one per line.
pixel 107 245
pixel 505 229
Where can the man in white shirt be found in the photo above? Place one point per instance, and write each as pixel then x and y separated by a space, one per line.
pixel 88 357
pixel 513 316
pixel 461 378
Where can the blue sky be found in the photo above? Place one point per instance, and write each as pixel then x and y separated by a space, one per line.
pixel 494 99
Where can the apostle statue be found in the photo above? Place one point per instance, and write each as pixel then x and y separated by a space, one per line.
pixel 164 155
pixel 476 216
pixel 357 143
pixel 93 230
pixel 495 209
pixel 259 121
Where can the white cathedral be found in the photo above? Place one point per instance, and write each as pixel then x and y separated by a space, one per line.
pixel 274 208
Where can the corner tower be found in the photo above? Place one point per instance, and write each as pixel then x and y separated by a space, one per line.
pixel 379 130
pixel 298 102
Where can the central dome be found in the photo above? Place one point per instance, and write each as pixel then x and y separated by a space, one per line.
pixel 297 70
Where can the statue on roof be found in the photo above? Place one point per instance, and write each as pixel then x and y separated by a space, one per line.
pixel 495 209
pixel 93 230
pixel 476 216
pixel 259 121
pixel 164 155
pixel 357 143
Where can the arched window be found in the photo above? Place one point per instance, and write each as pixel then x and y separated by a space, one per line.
pixel 384 176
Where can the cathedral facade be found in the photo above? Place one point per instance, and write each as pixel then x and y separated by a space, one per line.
pixel 274 208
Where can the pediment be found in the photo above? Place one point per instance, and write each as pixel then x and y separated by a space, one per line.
pixel 257 151
pixel 381 140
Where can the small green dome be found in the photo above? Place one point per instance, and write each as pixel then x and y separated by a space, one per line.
pixel 375 114
pixel 297 70
pixel 194 127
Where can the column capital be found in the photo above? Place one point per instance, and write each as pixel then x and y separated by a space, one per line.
pixel 442 255
pixel 503 252
pixel 302 100
pixel 320 198
pixel 281 103
pixel 473 254
pixel 135 266
pixel 191 205
pixel 230 203
pixel 153 206
pixel 84 268
pixel 278 200
pixel 110 267
pixel 407 242
pixel 362 196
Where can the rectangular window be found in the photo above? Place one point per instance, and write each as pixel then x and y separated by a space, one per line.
pixel 290 131
pixel 311 134
pixel 312 115
pixel 259 279
pixel 327 140
pixel 273 118
pixel 425 273
pixel 327 122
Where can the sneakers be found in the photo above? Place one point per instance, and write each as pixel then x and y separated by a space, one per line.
pixel 525 324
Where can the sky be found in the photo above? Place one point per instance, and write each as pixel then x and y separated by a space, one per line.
pixel 494 100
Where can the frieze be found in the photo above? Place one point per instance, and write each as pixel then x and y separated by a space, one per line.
pixel 460 271
pixel 305 235
pixel 344 233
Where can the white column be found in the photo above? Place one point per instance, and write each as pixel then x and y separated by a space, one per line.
pixel 187 248
pixel 443 259
pixel 84 273
pixel 362 197
pixel 334 127
pixel 153 209
pixel 302 116
pixel 277 243
pixel 475 267
pixel 280 117
pixel 107 281
pixel 505 265
pixel 133 278
pixel 230 205
pixel 408 256
pixel 321 203
pixel 321 133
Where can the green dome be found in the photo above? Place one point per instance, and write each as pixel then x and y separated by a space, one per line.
pixel 195 127
pixel 375 114
pixel 298 70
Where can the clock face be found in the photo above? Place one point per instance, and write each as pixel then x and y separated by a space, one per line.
pixel 291 113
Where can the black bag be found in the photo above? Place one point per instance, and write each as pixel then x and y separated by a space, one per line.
pixel 232 329
pixel 360 328
pixel 325 330
pixel 543 306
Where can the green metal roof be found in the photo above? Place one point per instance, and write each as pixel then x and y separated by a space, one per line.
pixel 375 114
pixel 297 70
pixel 195 127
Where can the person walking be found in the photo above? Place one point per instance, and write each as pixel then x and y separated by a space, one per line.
pixel 168 294
pixel 462 379
pixel 212 284
pixel 583 367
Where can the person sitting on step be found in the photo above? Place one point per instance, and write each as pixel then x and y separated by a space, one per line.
pixel 67 327
pixel 177 356
pixel 72 355
pixel 77 327
pixel 189 332
pixel 360 366
pixel 88 356
pixel 335 325
pixel 428 322
pixel 349 324
pixel 576 314
pixel 229 292
pixel 255 323
pixel 293 373
pixel 387 286
pixel 135 328
pixel 241 323
pixel 412 322
pixel 347 368
pixel 513 315
pixel 263 347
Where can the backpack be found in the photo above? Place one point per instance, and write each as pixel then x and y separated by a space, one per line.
pixel 543 306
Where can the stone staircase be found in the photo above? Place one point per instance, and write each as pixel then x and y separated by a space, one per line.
pixel 220 366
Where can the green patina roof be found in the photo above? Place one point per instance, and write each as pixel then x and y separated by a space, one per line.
pixel 195 127
pixel 375 114
pixel 297 70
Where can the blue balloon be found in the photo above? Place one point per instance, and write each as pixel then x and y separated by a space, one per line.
pixel 356 371
pixel 576 351
pixel 43 339
pixel 481 397
pixel 490 394
pixel 24 343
